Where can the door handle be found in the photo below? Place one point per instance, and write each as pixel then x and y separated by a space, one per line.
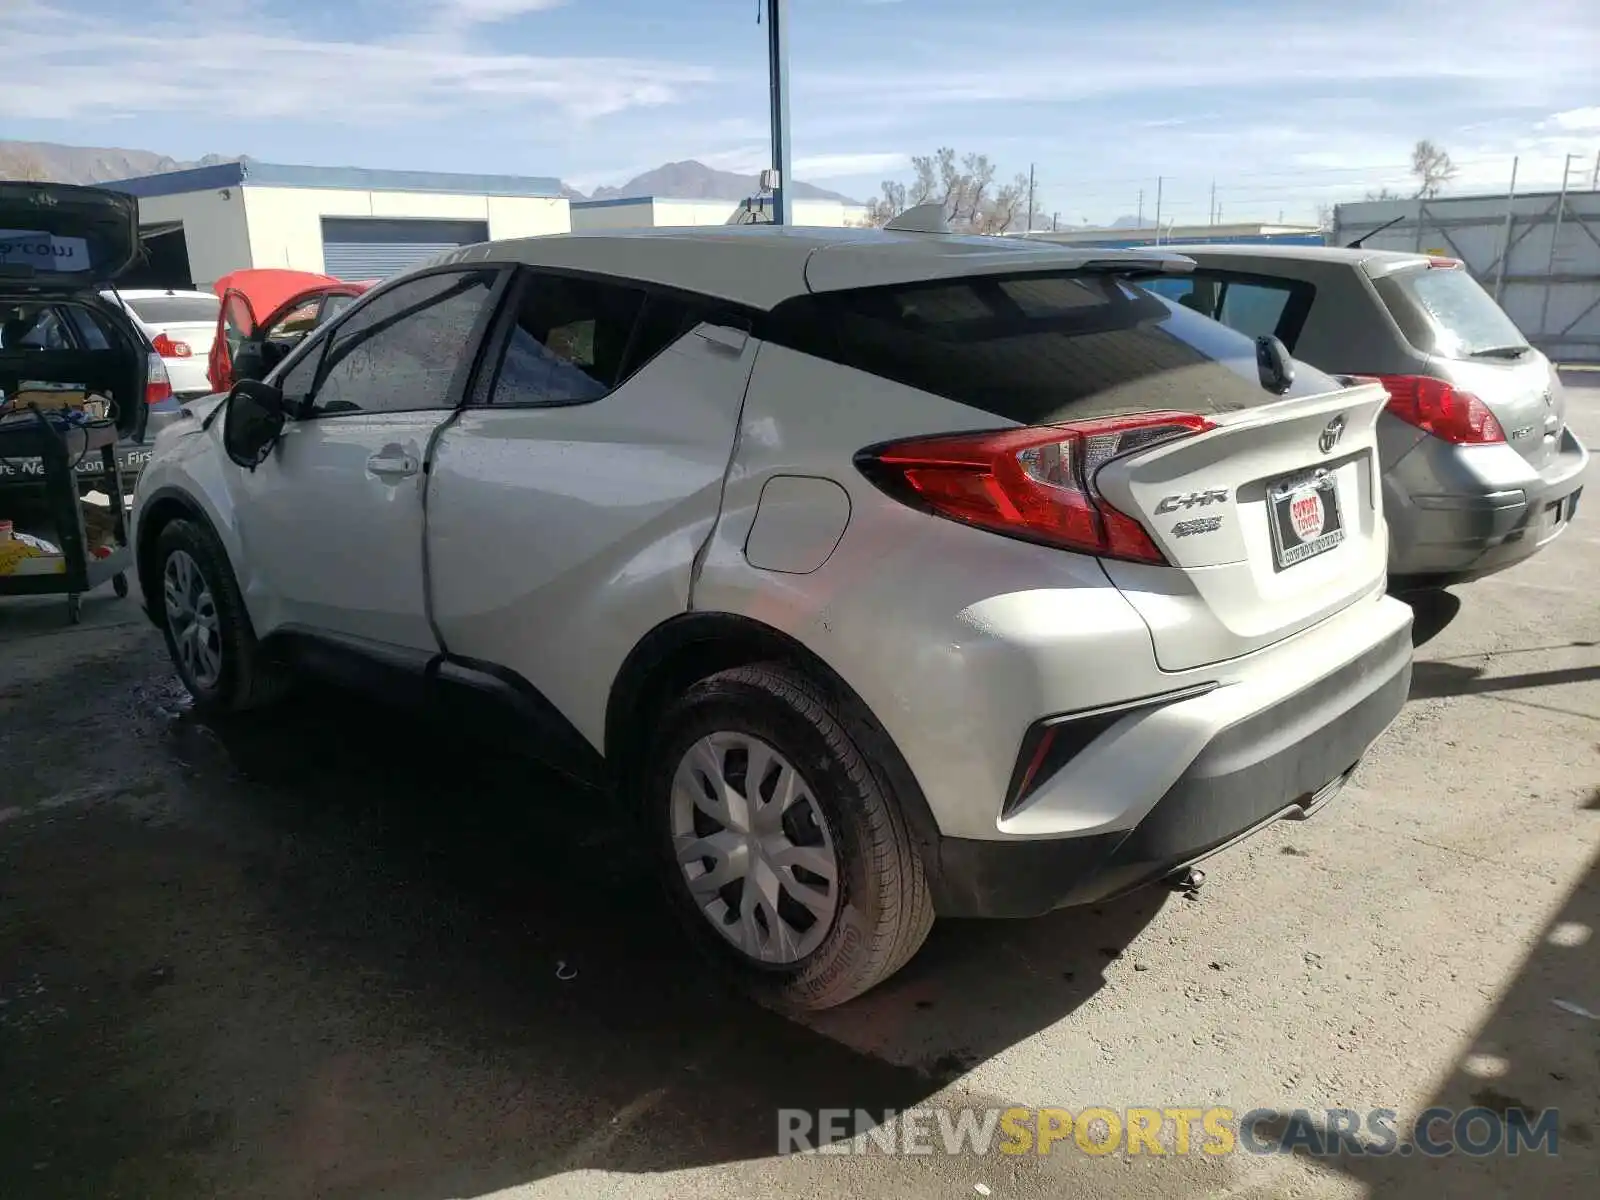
pixel 397 466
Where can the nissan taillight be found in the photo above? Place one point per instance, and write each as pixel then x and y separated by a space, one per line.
pixel 1439 408
pixel 157 384
pixel 1035 483
pixel 168 348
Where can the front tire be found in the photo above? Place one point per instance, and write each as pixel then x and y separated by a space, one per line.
pixel 785 852
pixel 207 628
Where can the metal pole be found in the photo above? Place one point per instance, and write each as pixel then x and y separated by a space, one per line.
pixel 1594 180
pixel 1505 237
pixel 1055 221
pixel 1213 209
pixel 1555 238
pixel 778 69
pixel 1159 182
pixel 1140 217
pixel 1030 197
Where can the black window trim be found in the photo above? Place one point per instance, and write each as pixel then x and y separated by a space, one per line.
pixel 481 396
pixel 460 384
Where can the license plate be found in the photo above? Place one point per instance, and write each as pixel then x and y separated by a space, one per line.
pixel 1305 519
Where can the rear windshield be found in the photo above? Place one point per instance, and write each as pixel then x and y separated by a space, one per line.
pixel 1037 348
pixel 1443 311
pixel 175 310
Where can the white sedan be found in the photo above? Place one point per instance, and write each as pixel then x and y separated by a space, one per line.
pixel 181 326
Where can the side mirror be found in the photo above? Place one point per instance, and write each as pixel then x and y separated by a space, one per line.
pixel 253 421
pixel 1274 367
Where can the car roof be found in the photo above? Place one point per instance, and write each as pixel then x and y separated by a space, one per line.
pixel 1375 261
pixel 760 266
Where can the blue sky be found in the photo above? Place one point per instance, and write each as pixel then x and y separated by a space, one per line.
pixel 1284 104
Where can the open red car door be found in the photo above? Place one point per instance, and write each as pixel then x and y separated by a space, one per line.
pixel 273 292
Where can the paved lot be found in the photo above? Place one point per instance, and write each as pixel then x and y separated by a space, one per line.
pixel 317 954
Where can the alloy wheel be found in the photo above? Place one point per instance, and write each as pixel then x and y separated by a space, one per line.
pixel 754 848
pixel 192 617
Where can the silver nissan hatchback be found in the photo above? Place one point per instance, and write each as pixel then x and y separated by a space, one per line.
pixel 1480 470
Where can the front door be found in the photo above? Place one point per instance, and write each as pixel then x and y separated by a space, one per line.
pixel 331 524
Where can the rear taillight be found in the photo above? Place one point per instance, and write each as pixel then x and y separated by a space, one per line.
pixel 168 348
pixel 1035 483
pixel 157 384
pixel 1435 407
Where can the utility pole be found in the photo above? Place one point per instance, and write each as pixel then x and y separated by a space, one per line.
pixel 778 70
pixel 1030 197
pixel 1140 217
pixel 1055 221
pixel 1159 181
pixel 1213 209
pixel 1594 180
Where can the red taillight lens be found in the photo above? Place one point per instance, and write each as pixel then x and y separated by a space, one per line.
pixel 1035 483
pixel 168 348
pixel 157 384
pixel 1435 407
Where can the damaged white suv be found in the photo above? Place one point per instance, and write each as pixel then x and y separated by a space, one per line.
pixel 888 573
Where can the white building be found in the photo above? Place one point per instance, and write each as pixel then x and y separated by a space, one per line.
pixel 200 224
pixel 651 212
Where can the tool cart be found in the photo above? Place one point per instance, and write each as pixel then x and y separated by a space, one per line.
pixel 73 384
pixel 60 447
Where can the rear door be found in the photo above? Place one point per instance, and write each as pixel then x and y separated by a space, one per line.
pixel 1469 341
pixel 567 502
pixel 331 524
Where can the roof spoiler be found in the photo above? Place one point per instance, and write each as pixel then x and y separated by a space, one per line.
pixel 921 218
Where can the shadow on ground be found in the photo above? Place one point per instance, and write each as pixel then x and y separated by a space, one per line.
pixel 340 950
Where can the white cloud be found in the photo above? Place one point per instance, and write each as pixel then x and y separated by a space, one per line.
pixel 485 11
pixel 1578 120
pixel 58 65
pixel 839 166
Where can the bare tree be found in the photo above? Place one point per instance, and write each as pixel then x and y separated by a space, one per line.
pixel 1432 167
pixel 21 165
pixel 963 184
pixel 1384 193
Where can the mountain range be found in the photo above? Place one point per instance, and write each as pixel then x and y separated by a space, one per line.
pixel 689 180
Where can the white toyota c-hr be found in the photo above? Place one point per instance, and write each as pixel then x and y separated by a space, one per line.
pixel 886 574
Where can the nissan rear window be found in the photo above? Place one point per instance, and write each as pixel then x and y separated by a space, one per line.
pixel 1443 311
pixel 1036 348
pixel 176 310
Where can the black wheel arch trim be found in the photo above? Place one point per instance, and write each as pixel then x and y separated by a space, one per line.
pixel 694 645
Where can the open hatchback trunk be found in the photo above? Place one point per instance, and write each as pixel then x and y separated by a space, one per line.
pixel 60 244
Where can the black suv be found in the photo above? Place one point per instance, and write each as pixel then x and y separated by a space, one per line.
pixel 56 327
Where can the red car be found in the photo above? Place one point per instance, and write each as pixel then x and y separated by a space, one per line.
pixel 296 302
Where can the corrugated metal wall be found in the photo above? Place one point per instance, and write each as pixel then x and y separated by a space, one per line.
pixel 359 248
pixel 1548 282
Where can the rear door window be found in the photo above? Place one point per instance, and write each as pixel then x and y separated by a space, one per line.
pixel 1037 348
pixel 569 341
pixel 1443 311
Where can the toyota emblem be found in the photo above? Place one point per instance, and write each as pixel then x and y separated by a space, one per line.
pixel 1331 434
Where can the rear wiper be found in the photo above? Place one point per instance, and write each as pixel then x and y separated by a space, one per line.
pixel 1500 352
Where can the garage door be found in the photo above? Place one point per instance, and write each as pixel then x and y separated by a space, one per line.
pixel 366 248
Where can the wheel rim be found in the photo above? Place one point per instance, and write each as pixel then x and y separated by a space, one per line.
pixel 754 848
pixel 192 618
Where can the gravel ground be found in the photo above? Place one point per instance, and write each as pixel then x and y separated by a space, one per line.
pixel 324 952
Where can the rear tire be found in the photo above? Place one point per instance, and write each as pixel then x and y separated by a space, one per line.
pixel 817 894
pixel 208 630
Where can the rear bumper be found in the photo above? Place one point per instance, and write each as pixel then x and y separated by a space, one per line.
pixel 1485 520
pixel 1281 762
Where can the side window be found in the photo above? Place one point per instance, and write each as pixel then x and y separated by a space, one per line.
pixel 403 351
pixel 295 324
pixel 1254 309
pixel 297 381
pixel 569 340
pixel 665 319
pixel 333 305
